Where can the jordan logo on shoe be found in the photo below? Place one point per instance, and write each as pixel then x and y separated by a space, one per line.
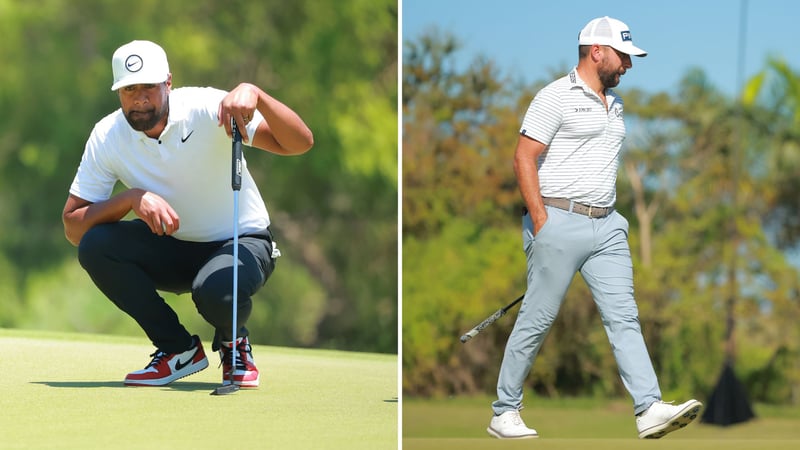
pixel 180 365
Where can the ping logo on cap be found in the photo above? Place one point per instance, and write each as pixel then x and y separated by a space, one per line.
pixel 626 35
pixel 134 63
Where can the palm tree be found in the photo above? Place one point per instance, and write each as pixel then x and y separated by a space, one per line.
pixel 775 93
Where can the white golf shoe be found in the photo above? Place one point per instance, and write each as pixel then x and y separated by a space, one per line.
pixel 509 425
pixel 662 418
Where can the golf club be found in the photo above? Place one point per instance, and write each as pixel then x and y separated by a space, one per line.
pixel 236 184
pixel 489 320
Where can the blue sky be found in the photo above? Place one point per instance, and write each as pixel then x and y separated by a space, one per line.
pixel 531 39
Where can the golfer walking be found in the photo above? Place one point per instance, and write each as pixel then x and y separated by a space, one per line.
pixel 566 165
pixel 170 148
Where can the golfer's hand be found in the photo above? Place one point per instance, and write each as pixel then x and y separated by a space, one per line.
pixel 240 105
pixel 155 212
pixel 538 223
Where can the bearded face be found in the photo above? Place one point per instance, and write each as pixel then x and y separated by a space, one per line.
pixel 145 105
pixel 146 118
pixel 613 66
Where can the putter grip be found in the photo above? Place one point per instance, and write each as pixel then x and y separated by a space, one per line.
pixel 489 320
pixel 236 166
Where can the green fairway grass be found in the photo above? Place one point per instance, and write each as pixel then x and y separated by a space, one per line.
pixel 460 423
pixel 65 391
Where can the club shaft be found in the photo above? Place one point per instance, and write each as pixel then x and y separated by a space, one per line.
pixel 234 326
pixel 490 320
pixel 512 304
pixel 236 185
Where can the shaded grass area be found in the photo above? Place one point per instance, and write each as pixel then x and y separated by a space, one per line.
pixel 595 424
pixel 61 390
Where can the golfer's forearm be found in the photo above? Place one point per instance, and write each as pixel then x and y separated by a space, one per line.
pixel 288 129
pixel 528 180
pixel 78 221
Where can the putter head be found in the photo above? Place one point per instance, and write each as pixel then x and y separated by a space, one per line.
pixel 225 390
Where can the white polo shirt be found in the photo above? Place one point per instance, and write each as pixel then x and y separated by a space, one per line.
pixel 189 165
pixel 583 140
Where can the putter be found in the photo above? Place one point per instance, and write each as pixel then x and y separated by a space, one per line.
pixel 236 184
pixel 489 320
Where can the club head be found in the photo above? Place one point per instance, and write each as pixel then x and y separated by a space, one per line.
pixel 225 390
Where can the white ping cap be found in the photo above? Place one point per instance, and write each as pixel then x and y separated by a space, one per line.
pixel 611 32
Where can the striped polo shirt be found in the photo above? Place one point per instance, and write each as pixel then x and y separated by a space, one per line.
pixel 583 140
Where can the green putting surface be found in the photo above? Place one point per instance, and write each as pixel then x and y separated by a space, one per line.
pixel 65 391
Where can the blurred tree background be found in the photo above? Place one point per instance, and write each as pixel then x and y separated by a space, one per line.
pixel 708 183
pixel 334 209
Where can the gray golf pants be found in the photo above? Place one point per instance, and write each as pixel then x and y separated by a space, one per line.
pixel 569 242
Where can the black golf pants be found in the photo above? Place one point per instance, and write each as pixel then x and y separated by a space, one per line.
pixel 130 264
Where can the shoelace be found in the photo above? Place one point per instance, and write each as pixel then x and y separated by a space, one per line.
pixel 515 418
pixel 243 349
pixel 157 357
pixel 644 413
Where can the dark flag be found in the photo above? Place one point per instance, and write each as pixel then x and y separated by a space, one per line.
pixel 729 403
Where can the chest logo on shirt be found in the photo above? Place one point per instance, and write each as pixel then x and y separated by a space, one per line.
pixel 618 111
pixel 134 63
pixel 184 139
pixel 577 110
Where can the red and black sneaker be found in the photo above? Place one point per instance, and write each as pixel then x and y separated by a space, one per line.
pixel 246 373
pixel 168 367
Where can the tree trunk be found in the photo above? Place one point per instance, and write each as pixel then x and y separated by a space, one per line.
pixel 644 214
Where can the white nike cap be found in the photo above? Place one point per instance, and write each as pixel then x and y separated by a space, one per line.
pixel 139 62
pixel 611 32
